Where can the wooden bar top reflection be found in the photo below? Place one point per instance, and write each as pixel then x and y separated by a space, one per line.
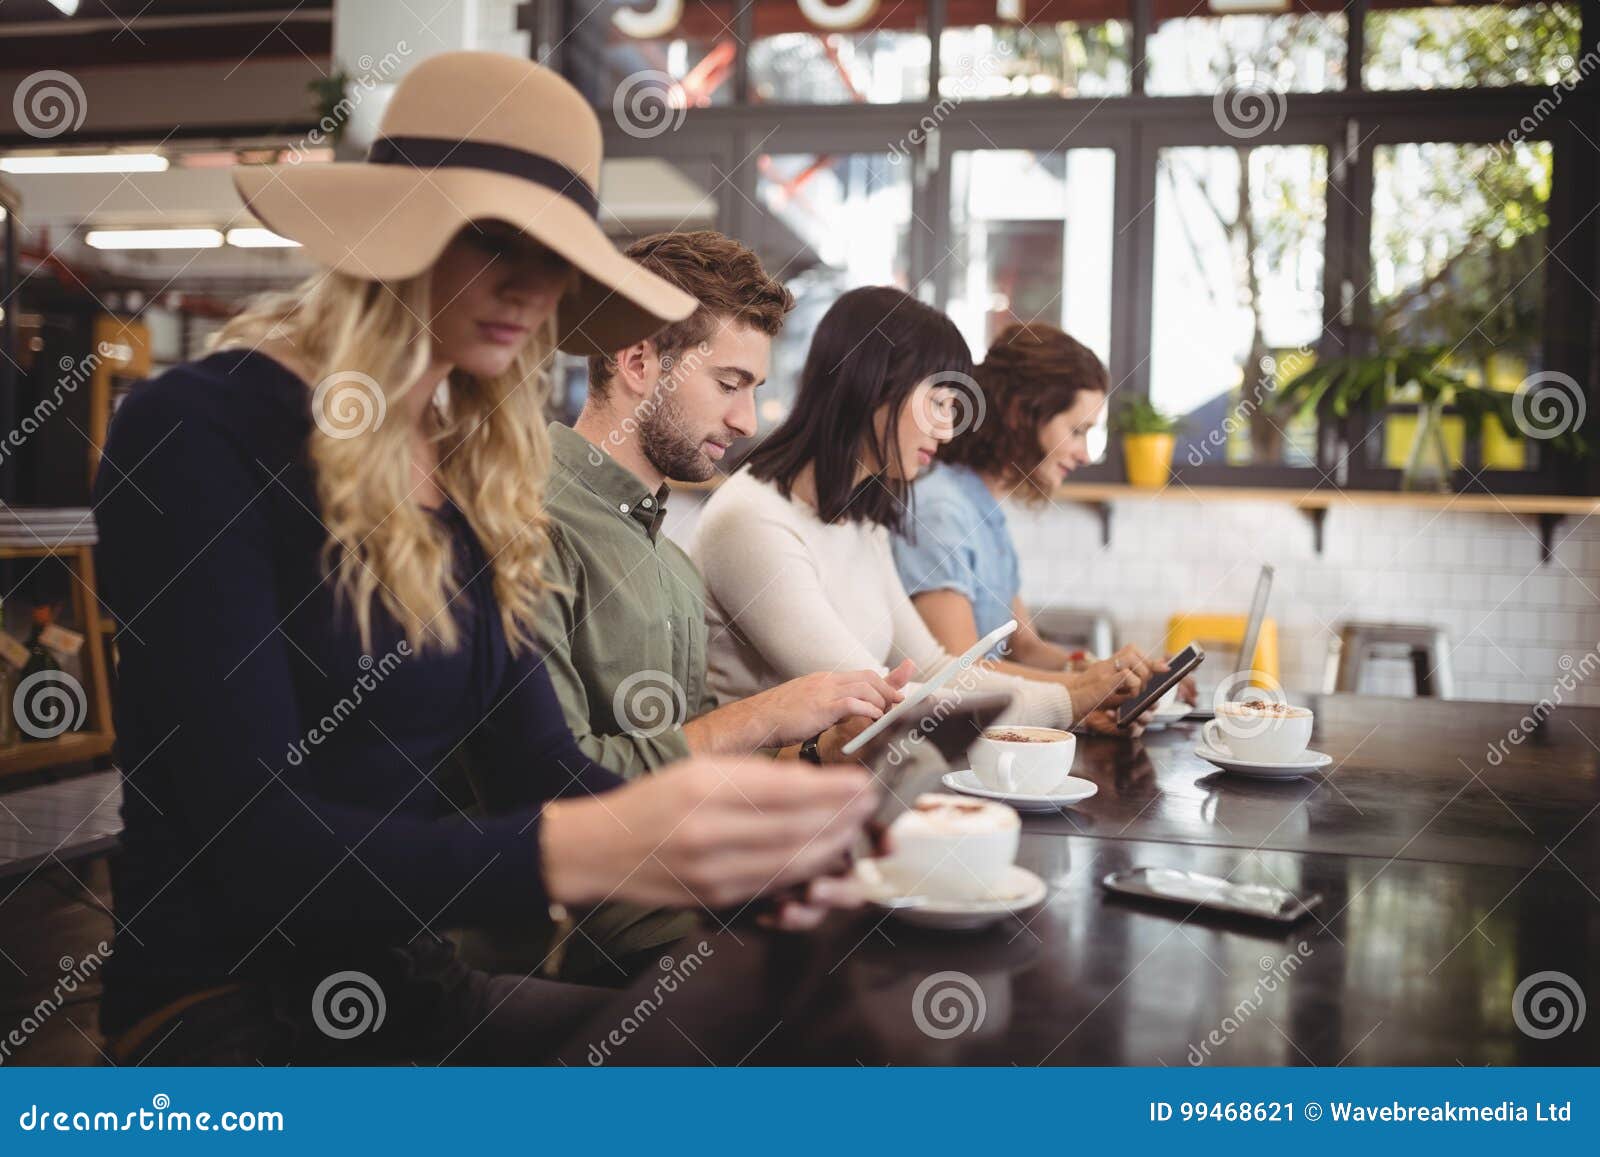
pixel 1421 779
pixel 1406 963
pixel 1449 879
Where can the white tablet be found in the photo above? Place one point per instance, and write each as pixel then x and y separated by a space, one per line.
pixel 949 671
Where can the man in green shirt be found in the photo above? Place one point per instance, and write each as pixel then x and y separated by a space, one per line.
pixel 624 631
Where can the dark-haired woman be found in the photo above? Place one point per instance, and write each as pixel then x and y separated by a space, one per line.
pixel 795 547
pixel 1044 391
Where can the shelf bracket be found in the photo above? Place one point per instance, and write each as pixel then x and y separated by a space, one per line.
pixel 1103 512
pixel 1547 529
pixel 1316 515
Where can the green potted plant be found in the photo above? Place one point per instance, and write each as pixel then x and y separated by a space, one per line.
pixel 1370 382
pixel 1147 439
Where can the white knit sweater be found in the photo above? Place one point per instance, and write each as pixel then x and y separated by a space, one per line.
pixel 787 594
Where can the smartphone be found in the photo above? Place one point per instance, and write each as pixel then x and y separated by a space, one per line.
pixel 1178 668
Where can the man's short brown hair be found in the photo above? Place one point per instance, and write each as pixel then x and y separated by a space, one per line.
pixel 723 275
pixel 1030 374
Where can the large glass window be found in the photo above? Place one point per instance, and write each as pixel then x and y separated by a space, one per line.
pixel 1039 54
pixel 1471 46
pixel 1239 236
pixel 1459 235
pixel 1198 55
pixel 1031 239
pixel 831 222
pixel 882 58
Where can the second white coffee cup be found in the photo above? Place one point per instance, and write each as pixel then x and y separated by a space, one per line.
pixel 1250 734
pixel 1023 760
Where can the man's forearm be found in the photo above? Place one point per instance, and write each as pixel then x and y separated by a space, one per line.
pixel 735 729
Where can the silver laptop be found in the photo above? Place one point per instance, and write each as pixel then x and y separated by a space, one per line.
pixel 1252 634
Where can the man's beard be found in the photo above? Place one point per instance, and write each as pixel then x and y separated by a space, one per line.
pixel 665 439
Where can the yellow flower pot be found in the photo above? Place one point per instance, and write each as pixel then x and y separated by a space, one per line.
pixel 1148 458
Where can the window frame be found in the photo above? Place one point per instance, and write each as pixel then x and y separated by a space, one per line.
pixel 1349 123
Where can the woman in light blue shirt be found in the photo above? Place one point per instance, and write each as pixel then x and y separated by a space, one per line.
pixel 1043 392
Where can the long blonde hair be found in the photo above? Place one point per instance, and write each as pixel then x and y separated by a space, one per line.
pixel 366 343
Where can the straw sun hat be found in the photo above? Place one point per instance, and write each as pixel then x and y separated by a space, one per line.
pixel 470 136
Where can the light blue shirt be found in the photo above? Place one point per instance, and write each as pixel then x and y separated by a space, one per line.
pixel 957 540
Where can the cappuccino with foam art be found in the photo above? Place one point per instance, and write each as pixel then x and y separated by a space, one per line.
pixel 951 847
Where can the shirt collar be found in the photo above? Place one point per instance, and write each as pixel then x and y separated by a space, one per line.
pixel 613 484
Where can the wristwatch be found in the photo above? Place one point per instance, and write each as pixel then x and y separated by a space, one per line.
pixel 809 752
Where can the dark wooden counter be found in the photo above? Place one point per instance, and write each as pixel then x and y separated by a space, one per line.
pixel 1448 881
pixel 1412 778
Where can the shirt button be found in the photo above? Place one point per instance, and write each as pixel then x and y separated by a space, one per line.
pixel 623 508
pixel 647 502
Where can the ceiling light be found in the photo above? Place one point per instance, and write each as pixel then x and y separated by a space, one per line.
pixel 86 163
pixel 154 238
pixel 66 7
pixel 252 238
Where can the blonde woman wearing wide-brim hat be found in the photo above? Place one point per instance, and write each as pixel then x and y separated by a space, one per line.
pixel 322 544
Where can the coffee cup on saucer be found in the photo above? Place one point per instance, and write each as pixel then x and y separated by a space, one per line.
pixel 1023 760
pixel 951 847
pixel 1259 731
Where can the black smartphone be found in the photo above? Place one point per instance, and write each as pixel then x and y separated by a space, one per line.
pixel 1178 667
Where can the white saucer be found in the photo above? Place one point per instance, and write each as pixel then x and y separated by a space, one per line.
pixel 1020 890
pixel 1168 713
pixel 1308 761
pixel 1069 791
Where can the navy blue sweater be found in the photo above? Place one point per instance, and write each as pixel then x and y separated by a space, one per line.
pixel 282 809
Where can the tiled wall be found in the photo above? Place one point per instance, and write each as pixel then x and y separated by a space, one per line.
pixel 1510 620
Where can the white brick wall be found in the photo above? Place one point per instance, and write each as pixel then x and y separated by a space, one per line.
pixel 1510 620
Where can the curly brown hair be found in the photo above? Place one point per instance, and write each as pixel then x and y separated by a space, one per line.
pixel 1030 374
pixel 723 275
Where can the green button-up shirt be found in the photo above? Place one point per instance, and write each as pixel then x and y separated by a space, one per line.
pixel 625 640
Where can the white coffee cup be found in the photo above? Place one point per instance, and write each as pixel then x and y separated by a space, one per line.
pixel 951 847
pixel 1259 732
pixel 1033 763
